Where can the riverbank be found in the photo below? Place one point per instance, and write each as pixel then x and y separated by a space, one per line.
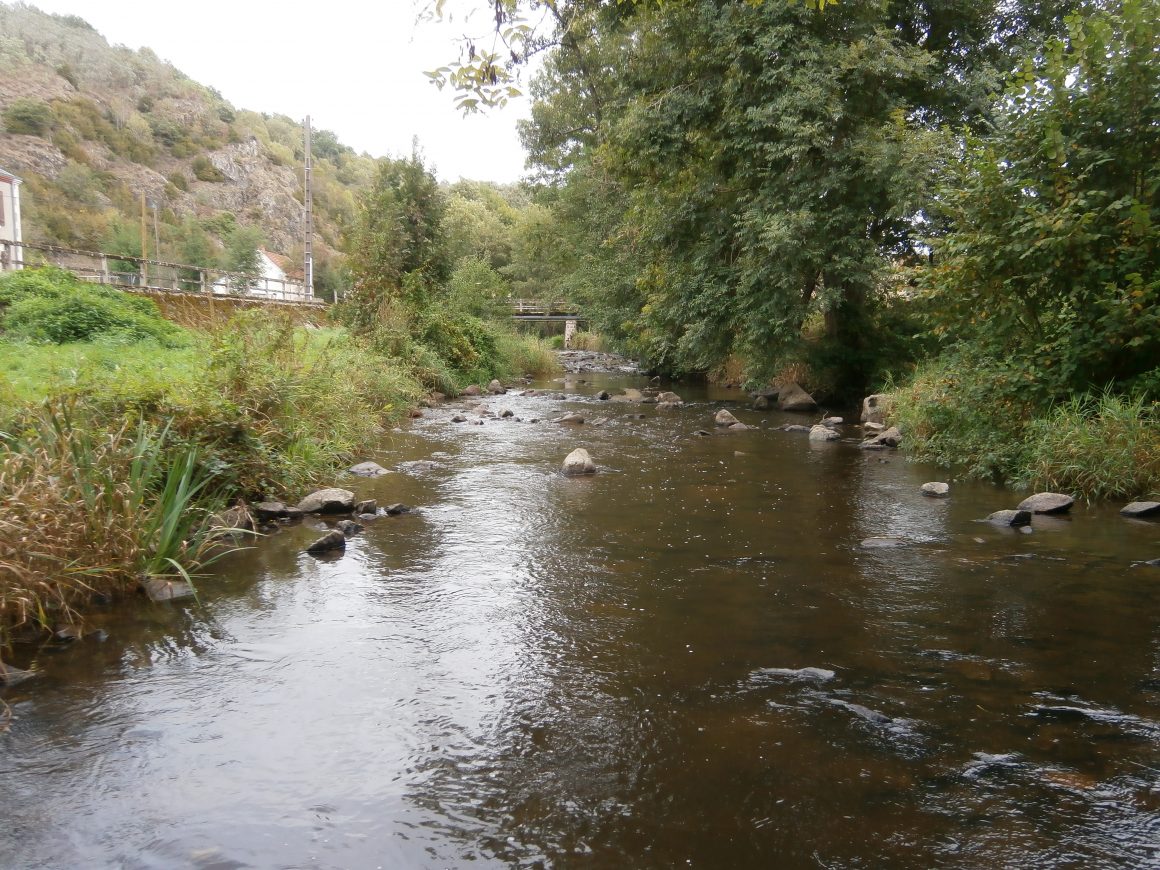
pixel 124 435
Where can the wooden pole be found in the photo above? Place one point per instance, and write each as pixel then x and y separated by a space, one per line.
pixel 144 242
pixel 308 240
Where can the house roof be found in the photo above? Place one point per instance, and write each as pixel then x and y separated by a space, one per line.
pixel 5 175
pixel 292 269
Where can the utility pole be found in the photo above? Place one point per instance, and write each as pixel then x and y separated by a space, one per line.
pixel 144 245
pixel 308 241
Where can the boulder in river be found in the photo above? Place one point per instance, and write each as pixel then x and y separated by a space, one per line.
pixel 496 388
pixel 578 462
pixel 876 407
pixel 791 397
pixel 669 398
pixel 571 419
pixel 833 421
pixel 724 418
pixel 761 403
pixel 604 395
pixel 328 543
pixel 883 440
pixel 738 427
pixel 349 527
pixel 1141 509
pixel 815 675
pixel 1010 518
pixel 328 501
pixel 458 418
pixel 473 390
pixel 824 433
pixel 795 427
pixel 367 469
pixel 367 506
pixel 629 395
pixel 936 489
pixel 393 510
pixel 1047 503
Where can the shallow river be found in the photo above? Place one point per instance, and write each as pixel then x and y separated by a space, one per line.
pixel 529 670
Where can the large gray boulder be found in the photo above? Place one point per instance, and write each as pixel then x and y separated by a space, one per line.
pixel 1141 509
pixel 875 408
pixel 824 433
pixel 792 397
pixel 1010 518
pixel 578 462
pixel 936 489
pixel 328 501
pixel 724 418
pixel 1047 503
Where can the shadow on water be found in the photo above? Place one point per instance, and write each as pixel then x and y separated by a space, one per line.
pixel 685 660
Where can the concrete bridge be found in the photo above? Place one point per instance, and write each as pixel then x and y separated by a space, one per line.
pixel 535 310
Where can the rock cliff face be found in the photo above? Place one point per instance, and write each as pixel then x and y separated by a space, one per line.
pixel 119 123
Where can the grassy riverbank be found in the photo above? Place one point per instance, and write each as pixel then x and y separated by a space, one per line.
pixel 119 442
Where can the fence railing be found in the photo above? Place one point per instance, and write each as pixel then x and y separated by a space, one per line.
pixel 139 273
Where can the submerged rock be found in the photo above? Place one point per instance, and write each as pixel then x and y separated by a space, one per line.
pixel 368 469
pixel 328 543
pixel 1047 503
pixel 349 527
pixel 328 501
pixel 818 675
pixel 936 489
pixel 165 589
pixel 1141 509
pixel 1010 518
pixel 10 676
pixel 571 419
pixel 795 427
pixel 578 462
pixel 458 418
pixel 861 712
pixel 882 543
pixel 393 510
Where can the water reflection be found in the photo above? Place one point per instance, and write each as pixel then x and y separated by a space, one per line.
pixel 529 670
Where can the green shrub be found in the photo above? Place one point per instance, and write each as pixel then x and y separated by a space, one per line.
pixel 203 170
pixel 50 305
pixel 29 117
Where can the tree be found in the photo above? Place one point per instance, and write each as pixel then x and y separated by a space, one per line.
pixel 242 257
pixel 398 232
pixel 29 117
pixel 1054 260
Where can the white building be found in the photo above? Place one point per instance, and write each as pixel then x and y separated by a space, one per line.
pixel 11 255
pixel 276 281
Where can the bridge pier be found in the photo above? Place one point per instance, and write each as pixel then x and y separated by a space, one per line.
pixel 569 331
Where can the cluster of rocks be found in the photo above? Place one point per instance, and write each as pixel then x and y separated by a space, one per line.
pixel 595 361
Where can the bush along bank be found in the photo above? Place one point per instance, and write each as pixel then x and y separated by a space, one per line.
pixel 120 444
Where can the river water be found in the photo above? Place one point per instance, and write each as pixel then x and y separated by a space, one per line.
pixel 535 671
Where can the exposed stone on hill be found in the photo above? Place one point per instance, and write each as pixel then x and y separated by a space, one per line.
pixel 1047 503
pixel 328 501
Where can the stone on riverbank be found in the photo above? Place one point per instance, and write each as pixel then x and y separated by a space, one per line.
pixel 1010 518
pixel 270 510
pixel 883 440
pixel 724 418
pixel 876 407
pixel 936 489
pixel 791 397
pixel 496 388
pixel 1141 509
pixel 328 501
pixel 824 433
pixel 1047 503
pixel 368 469
pixel 328 543
pixel 578 462
pixel 163 589
pixel 472 390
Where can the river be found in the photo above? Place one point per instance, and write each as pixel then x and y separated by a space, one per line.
pixel 530 670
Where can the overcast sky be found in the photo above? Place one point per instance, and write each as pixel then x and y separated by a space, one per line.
pixel 355 66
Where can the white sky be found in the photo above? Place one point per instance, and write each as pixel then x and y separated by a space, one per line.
pixel 355 67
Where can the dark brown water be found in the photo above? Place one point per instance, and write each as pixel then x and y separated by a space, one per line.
pixel 535 671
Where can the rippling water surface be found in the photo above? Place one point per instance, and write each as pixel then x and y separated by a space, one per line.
pixel 530 670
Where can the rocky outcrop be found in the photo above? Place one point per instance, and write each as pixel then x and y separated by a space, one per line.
pixel 328 501
pixel 792 397
pixel 578 462
pixel 1047 503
